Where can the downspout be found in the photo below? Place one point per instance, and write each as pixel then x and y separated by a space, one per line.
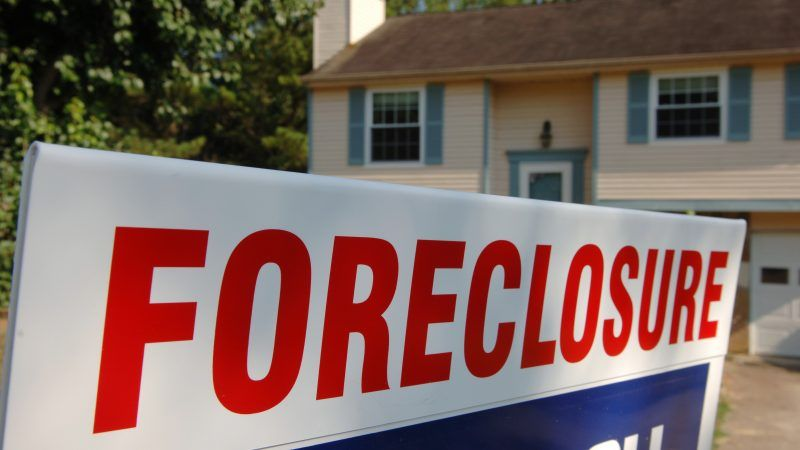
pixel 309 128
pixel 595 154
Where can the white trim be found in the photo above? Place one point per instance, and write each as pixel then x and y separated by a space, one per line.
pixel 368 128
pixel 562 167
pixel 722 75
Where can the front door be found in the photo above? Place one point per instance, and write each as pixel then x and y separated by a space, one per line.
pixel 546 181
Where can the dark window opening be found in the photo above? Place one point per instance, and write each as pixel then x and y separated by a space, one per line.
pixel 395 129
pixel 688 107
pixel 774 275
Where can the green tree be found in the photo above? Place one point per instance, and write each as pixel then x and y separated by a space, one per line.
pixel 259 118
pixel 176 78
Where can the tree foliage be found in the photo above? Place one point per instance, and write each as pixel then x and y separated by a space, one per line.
pixel 217 80
pixel 211 79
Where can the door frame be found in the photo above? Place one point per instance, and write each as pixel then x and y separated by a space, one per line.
pixel 562 167
pixel 576 158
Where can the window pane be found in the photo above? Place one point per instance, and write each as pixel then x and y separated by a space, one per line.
pixel 696 84
pixel 774 275
pixel 395 108
pixel 395 144
pixel 712 129
pixel 388 109
pixel 391 144
pixel 413 144
pixel 414 98
pixel 687 90
pixel 378 148
pixel 711 121
pixel 664 122
pixel 413 107
pixel 402 140
pixel 687 122
pixel 377 108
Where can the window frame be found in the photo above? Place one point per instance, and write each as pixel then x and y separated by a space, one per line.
pixel 369 124
pixel 722 76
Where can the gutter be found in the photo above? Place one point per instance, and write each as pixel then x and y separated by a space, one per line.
pixel 586 66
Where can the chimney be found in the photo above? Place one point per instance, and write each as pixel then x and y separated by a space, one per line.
pixel 340 23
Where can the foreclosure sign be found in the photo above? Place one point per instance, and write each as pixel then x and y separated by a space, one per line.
pixel 161 303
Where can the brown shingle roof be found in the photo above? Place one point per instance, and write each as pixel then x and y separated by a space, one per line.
pixel 584 30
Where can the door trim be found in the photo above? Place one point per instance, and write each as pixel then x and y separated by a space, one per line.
pixel 575 157
pixel 562 167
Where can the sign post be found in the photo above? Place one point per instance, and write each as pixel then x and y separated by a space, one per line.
pixel 161 303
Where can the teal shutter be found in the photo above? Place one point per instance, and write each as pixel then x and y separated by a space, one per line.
pixel 793 101
pixel 638 107
pixel 355 131
pixel 739 89
pixel 434 122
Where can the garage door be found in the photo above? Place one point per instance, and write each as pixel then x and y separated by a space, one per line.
pixel 775 295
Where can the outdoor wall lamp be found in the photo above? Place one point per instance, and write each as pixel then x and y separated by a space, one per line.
pixel 546 137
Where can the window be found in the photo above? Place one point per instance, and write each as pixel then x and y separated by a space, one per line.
pixel 774 275
pixel 394 131
pixel 688 107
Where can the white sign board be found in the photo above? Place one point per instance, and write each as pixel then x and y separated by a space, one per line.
pixel 161 303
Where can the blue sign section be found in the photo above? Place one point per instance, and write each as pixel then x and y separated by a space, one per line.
pixel 577 420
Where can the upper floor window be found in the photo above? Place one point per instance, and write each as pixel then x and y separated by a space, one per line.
pixel 394 128
pixel 688 106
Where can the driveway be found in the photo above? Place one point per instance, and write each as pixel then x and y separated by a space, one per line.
pixel 763 397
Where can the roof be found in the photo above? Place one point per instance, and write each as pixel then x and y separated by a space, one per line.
pixel 583 30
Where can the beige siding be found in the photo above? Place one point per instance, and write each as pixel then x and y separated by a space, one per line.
pixel 462 146
pixel 766 167
pixel 520 109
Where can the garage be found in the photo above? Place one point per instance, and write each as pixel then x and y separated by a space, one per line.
pixel 775 294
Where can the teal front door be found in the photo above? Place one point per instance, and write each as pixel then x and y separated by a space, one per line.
pixel 545 186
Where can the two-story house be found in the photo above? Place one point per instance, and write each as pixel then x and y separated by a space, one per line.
pixel 669 105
